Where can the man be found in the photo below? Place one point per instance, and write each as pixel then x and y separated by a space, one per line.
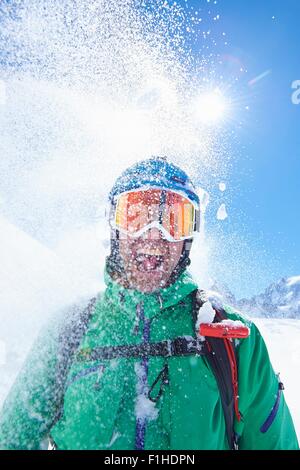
pixel 131 371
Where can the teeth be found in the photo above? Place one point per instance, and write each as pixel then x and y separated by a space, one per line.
pixel 150 251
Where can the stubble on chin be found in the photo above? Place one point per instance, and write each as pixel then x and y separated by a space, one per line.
pixel 151 281
pixel 148 282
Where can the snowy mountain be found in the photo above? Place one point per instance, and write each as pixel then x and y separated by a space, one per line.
pixel 280 300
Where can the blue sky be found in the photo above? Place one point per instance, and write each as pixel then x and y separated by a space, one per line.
pixel 263 186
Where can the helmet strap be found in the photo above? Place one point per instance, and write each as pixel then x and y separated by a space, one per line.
pixel 114 262
pixel 183 263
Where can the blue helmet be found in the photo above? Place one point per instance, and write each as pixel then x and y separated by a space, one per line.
pixel 155 172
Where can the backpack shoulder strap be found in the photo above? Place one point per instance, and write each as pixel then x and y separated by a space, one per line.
pixel 221 358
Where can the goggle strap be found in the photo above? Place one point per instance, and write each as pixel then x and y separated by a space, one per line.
pixel 197 221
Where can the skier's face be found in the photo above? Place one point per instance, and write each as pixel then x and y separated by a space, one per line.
pixel 149 260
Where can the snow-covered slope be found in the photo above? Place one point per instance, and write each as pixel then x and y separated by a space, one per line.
pixel 283 341
pixel 33 283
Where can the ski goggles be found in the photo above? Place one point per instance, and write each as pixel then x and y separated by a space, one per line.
pixel 137 211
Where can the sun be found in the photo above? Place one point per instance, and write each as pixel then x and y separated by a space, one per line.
pixel 211 107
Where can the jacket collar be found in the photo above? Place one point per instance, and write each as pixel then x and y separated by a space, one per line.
pixel 153 302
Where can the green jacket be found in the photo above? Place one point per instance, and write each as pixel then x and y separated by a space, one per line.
pixel 104 400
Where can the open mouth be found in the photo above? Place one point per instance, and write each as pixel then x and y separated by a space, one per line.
pixel 148 261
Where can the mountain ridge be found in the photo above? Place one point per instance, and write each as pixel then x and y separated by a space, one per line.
pixel 281 299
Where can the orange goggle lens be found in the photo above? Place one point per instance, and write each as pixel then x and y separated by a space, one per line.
pixel 136 210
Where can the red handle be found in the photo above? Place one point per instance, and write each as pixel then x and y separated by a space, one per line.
pixel 219 330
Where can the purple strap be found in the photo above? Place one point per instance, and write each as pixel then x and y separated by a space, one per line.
pixel 274 411
pixel 143 382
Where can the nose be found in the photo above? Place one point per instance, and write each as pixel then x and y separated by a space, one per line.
pixel 152 233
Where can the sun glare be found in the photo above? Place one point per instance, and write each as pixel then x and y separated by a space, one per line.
pixel 211 107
